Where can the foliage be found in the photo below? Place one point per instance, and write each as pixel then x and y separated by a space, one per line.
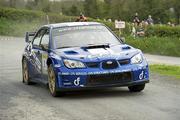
pixel 169 46
pixel 161 10
pixel 163 31
pixel 17 28
pixel 19 14
pixel 30 15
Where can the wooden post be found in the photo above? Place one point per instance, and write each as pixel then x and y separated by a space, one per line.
pixel 47 17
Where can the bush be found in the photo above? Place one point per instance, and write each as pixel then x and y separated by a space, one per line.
pixel 163 31
pixel 17 28
pixel 55 18
pixel 169 46
pixel 30 15
pixel 19 14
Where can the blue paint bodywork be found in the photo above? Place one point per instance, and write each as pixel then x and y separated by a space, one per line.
pixel 67 78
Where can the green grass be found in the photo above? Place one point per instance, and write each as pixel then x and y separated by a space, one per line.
pixel 166 70
pixel 169 46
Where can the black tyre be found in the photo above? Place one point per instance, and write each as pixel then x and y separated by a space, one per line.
pixel 136 88
pixel 52 82
pixel 25 72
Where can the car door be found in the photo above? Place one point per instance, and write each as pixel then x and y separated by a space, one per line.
pixel 44 44
pixel 36 56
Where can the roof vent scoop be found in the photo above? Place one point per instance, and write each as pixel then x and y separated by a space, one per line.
pixel 126 48
pixel 71 52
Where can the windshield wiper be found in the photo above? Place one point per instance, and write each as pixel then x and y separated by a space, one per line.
pixel 66 47
pixel 98 44
pixel 91 46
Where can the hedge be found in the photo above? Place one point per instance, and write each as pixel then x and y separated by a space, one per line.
pixel 30 15
pixel 163 31
pixel 20 14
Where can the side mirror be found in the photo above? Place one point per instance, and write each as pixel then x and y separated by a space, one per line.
pixel 29 36
pixel 123 39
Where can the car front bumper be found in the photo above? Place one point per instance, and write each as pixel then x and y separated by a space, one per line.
pixel 74 79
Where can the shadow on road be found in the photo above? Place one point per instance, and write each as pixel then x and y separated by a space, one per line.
pixel 100 93
pixel 40 90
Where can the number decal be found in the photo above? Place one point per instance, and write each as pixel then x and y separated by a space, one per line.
pixel 44 60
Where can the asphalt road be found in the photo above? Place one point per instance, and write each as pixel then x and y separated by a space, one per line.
pixel 157 59
pixel 159 101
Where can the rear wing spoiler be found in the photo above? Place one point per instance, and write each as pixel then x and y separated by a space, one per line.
pixel 29 36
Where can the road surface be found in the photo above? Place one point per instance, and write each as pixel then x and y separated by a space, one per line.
pixel 159 101
pixel 158 59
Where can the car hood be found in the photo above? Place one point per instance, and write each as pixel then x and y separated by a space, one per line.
pixel 123 51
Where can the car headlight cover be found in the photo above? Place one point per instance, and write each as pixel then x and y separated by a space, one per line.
pixel 73 64
pixel 137 59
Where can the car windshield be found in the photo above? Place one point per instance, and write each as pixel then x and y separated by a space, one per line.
pixel 79 36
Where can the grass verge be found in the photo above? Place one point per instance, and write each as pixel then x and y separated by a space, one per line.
pixel 166 70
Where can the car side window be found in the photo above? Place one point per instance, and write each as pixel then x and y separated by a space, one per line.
pixel 37 38
pixel 45 39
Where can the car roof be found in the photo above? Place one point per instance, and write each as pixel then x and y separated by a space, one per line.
pixel 71 24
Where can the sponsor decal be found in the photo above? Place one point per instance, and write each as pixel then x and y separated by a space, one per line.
pixel 99 51
pixel 44 57
pixel 93 73
pixel 35 61
pixel 141 75
pixel 77 81
pixel 66 29
pixel 44 60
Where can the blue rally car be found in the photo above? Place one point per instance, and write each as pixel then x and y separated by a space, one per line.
pixel 82 55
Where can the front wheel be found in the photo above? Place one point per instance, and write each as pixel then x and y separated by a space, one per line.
pixel 136 88
pixel 52 82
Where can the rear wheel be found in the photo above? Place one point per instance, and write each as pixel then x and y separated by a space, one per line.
pixel 136 88
pixel 25 72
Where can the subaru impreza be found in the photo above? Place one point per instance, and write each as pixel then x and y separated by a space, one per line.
pixel 82 55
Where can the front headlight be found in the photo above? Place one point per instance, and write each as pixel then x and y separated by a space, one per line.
pixel 137 59
pixel 73 64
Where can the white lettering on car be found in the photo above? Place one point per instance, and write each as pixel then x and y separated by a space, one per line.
pixel 77 81
pixel 141 75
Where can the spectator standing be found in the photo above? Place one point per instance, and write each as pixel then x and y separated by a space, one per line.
pixel 150 20
pixel 136 20
pixel 140 30
pixel 81 18
pixel 133 31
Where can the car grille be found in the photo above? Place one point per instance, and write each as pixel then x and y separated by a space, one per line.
pixel 112 78
pixel 105 65
pixel 109 64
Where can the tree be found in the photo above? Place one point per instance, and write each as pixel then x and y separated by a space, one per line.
pixel 176 6
pixel 74 10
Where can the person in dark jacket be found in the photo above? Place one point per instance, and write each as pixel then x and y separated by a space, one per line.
pixel 136 20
